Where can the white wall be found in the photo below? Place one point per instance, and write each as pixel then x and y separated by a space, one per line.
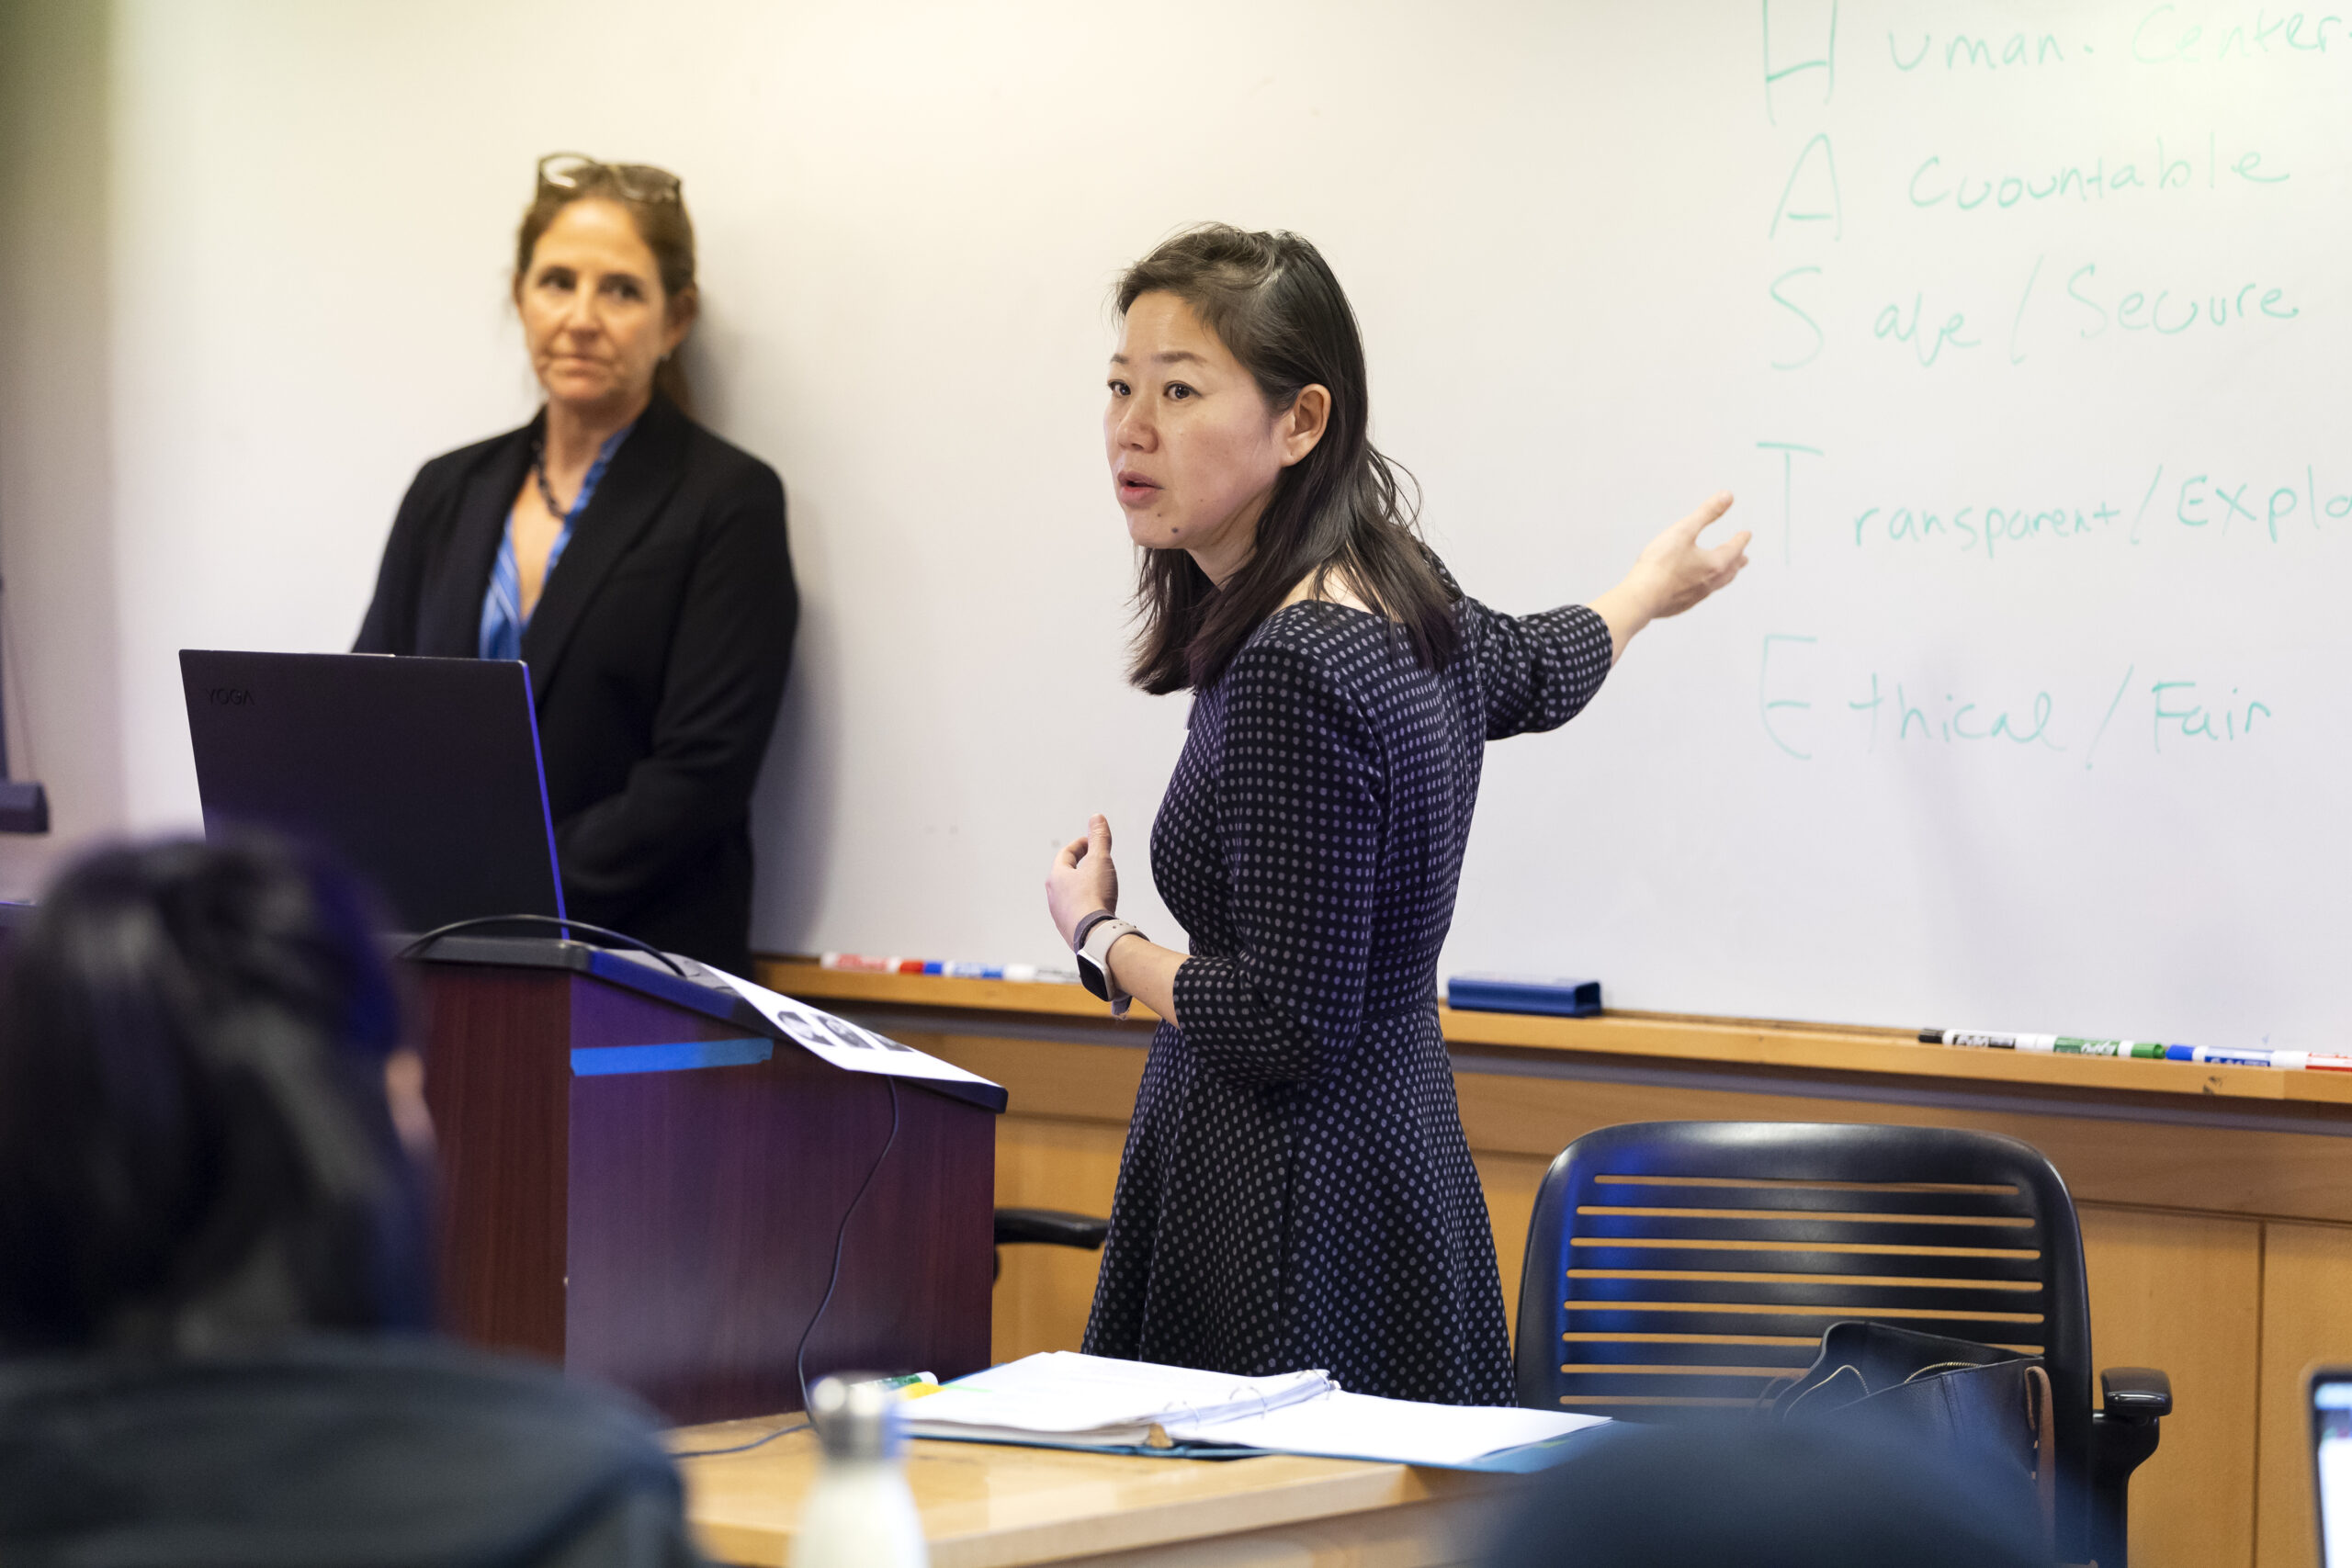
pixel 61 655
pixel 1562 226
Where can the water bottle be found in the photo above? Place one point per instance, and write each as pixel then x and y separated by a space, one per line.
pixel 859 1513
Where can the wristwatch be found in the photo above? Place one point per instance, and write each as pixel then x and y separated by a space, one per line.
pixel 1091 942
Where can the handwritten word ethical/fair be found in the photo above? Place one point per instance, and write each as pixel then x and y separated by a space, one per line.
pixel 2179 711
pixel 1796 698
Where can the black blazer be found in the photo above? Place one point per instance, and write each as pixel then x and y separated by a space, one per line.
pixel 658 655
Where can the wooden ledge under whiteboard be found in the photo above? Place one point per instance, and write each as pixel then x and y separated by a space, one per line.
pixel 1749 1043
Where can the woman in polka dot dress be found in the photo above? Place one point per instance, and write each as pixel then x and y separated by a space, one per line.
pixel 1296 1191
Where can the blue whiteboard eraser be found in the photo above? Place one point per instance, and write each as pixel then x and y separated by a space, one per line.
pixel 1508 993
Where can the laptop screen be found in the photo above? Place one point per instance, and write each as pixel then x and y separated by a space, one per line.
pixel 422 774
pixel 2332 1439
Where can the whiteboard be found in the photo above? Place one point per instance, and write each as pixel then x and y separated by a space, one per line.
pixel 2018 330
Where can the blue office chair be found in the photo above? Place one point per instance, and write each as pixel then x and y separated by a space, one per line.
pixel 1676 1267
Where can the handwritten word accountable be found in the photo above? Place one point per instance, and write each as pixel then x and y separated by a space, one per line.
pixel 1956 187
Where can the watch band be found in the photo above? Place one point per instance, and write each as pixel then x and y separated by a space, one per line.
pixel 1094 962
pixel 1085 924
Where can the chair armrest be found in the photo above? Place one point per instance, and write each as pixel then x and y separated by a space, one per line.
pixel 2134 1394
pixel 2124 1432
pixel 1056 1227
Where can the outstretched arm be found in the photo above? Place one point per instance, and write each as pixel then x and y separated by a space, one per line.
pixel 1673 573
pixel 1535 673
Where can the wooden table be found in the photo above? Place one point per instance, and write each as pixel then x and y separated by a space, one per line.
pixel 2216 1202
pixel 988 1507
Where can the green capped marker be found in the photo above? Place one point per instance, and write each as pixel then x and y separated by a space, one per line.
pixel 2142 1050
pixel 2057 1044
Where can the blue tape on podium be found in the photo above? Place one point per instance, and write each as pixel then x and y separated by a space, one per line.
pixel 596 1061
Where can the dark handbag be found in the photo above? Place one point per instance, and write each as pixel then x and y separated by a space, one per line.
pixel 1977 1407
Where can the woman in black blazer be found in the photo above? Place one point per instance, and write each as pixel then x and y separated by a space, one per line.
pixel 660 645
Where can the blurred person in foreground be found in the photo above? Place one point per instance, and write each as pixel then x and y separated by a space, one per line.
pixel 1750 1494
pixel 214 1256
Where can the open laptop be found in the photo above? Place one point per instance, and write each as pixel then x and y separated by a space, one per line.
pixel 422 774
pixel 2331 1410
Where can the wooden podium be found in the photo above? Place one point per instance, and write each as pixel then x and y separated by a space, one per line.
pixel 643 1179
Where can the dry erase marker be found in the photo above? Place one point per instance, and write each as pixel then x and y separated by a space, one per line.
pixel 951 968
pixel 2056 1044
pixel 2219 1054
pixel 1984 1039
pixel 2319 1061
pixel 2233 1056
pixel 2145 1050
pixel 863 965
pixel 907 1383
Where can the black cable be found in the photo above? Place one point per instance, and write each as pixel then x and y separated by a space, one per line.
pixel 740 1448
pixel 800 1353
pixel 454 926
pixel 841 1237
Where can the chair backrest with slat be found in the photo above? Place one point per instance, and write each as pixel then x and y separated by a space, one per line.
pixel 1674 1267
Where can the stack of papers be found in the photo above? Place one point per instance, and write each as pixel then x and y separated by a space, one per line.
pixel 1061 1399
pixel 1093 1399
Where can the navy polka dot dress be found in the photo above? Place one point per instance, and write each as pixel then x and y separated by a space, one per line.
pixel 1296 1191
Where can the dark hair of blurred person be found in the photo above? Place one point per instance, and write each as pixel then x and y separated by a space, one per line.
pixel 196 1144
pixel 1752 1494
pixel 215 1233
